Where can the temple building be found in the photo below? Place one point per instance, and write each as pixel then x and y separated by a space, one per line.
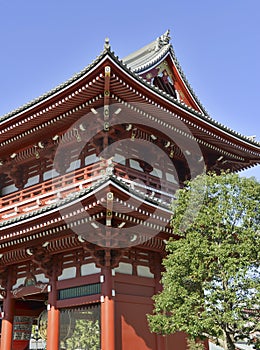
pixel 88 174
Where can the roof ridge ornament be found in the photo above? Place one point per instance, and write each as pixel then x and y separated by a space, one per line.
pixel 163 40
pixel 107 44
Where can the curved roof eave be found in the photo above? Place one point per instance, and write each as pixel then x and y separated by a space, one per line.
pixel 198 115
pixel 152 54
pixel 123 65
pixel 82 194
pixel 185 80
pixel 75 78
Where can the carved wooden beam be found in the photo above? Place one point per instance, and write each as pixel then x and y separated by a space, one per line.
pixel 46 262
pixel 104 257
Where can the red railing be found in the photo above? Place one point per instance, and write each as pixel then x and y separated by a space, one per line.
pixel 49 191
pixel 148 182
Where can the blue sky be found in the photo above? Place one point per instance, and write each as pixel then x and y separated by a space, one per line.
pixel 216 42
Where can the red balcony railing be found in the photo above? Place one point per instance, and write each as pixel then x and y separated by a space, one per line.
pixel 49 191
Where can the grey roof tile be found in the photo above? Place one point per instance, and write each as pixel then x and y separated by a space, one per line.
pixel 148 55
pixel 80 194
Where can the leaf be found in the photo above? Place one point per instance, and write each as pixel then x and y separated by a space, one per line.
pixel 212 271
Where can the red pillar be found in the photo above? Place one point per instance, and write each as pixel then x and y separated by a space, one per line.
pixel 7 321
pixel 157 270
pixel 107 311
pixel 53 330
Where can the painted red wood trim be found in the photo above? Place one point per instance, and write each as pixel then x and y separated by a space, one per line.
pixel 90 299
pixel 107 311
pixel 78 281
pixel 7 322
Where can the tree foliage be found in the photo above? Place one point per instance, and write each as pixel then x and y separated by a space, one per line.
pixel 211 281
pixel 86 335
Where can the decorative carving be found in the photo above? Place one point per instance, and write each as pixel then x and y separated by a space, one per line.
pixel 6 280
pixel 3 280
pixel 45 262
pixel 147 168
pixel 104 257
pixel 23 290
pixel 163 40
pixel 18 175
pixel 107 44
pixel 30 280
pixel 62 163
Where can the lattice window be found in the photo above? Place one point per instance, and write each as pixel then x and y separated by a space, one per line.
pixel 80 328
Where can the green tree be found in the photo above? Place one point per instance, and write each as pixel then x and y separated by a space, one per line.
pixel 86 335
pixel 212 275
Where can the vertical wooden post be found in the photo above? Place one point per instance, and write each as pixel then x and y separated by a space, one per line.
pixel 7 321
pixel 157 270
pixel 53 330
pixel 107 311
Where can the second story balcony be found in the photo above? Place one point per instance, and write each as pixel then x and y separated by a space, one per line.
pixel 59 187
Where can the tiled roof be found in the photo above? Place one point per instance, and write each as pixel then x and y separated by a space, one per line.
pixel 108 179
pixel 148 55
pixel 53 91
pixel 133 64
pixel 151 54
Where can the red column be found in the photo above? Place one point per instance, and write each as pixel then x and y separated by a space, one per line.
pixel 7 322
pixel 107 311
pixel 160 340
pixel 53 330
